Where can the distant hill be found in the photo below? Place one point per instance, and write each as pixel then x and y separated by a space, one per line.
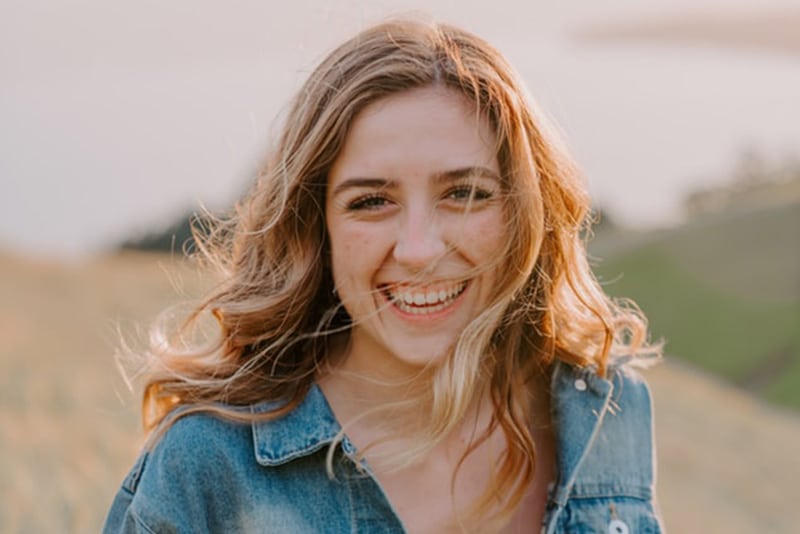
pixel 176 237
pixel 724 290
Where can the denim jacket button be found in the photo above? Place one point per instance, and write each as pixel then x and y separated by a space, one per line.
pixel 580 384
pixel 617 527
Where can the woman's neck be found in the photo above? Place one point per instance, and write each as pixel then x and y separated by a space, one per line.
pixel 354 376
pixel 372 405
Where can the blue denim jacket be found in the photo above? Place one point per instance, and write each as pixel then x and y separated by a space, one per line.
pixel 211 475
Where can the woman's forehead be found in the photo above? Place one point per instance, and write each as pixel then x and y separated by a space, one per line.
pixel 431 129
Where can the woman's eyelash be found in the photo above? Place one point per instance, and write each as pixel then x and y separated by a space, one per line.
pixel 367 202
pixel 461 193
pixel 468 192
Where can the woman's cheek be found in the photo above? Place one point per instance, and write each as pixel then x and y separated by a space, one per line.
pixel 487 235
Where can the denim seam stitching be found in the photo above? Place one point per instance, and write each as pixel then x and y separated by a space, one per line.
pixel 140 522
pixel 353 520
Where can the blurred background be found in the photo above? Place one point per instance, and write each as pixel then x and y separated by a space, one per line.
pixel 118 120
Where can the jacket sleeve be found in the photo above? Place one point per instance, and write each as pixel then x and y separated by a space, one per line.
pixel 173 488
pixel 121 518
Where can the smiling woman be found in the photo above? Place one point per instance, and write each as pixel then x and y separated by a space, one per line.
pixel 410 337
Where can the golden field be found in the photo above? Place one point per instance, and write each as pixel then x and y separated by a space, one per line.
pixel 69 426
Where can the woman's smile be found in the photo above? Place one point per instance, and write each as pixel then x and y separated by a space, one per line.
pixel 424 302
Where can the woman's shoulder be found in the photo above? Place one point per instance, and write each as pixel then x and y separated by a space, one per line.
pixel 606 456
pixel 207 467
pixel 622 386
pixel 605 427
pixel 610 416
pixel 208 473
pixel 195 458
pixel 202 439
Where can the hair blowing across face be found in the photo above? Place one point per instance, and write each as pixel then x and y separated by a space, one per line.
pixel 275 309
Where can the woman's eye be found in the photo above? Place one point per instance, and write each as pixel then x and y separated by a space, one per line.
pixel 466 193
pixel 369 202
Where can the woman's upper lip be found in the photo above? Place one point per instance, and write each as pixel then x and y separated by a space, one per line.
pixel 422 286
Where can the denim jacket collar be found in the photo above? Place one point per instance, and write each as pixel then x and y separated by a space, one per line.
pixel 580 401
pixel 303 431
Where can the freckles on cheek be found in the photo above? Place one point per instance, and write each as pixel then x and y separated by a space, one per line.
pixel 488 235
pixel 351 250
pixel 354 241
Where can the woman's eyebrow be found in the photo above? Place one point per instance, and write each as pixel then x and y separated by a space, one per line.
pixel 350 183
pixel 439 177
pixel 466 172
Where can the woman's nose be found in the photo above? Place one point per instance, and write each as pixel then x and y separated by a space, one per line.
pixel 420 243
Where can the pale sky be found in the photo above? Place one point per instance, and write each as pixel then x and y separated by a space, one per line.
pixel 116 117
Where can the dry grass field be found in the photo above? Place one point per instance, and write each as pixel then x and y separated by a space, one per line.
pixel 69 426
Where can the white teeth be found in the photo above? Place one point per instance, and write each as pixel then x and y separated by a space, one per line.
pixel 419 303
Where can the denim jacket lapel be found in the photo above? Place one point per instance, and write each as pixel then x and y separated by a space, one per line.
pixel 303 431
pixel 580 401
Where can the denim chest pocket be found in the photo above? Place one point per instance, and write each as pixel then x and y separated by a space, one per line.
pixel 619 515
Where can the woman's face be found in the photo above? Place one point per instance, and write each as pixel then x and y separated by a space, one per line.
pixel 415 219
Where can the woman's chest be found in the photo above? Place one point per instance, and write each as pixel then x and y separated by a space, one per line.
pixel 442 494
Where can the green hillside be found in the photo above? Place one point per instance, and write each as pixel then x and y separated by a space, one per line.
pixel 723 290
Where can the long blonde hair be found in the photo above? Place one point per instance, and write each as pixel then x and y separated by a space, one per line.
pixel 276 309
